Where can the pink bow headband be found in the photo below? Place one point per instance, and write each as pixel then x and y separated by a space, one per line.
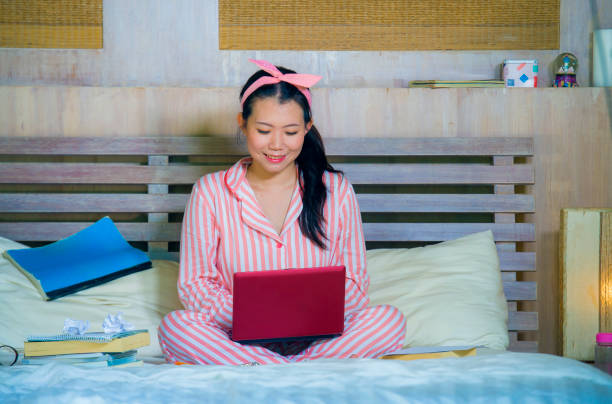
pixel 301 81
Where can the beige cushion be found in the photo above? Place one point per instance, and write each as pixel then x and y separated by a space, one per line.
pixel 451 293
pixel 144 298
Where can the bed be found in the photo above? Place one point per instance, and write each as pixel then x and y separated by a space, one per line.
pixel 450 236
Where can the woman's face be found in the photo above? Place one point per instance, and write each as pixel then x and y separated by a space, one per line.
pixel 275 135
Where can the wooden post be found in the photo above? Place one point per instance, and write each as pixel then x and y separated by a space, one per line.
pixel 605 273
pixel 507 190
pixel 580 281
pixel 157 249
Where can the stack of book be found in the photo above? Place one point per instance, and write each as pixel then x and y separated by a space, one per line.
pixel 88 349
pixel 456 84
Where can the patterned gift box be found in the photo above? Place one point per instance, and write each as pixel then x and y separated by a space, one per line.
pixel 520 73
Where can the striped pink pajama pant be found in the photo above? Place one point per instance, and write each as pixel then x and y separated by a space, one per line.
pixel 184 336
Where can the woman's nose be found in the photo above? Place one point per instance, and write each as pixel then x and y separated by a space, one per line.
pixel 276 142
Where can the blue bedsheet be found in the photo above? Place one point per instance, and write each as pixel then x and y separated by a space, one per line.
pixel 504 378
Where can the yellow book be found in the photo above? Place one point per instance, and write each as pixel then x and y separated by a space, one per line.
pixel 120 343
pixel 430 353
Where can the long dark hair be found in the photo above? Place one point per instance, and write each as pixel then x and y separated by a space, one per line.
pixel 312 161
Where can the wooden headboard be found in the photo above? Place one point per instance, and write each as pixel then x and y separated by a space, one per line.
pixel 412 191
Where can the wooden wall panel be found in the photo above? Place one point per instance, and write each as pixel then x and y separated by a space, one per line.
pixel 141 37
pixel 388 24
pixel 573 137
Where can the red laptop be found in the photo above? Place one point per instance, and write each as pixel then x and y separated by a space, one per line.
pixel 288 304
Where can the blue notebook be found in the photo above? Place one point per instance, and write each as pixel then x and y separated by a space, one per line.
pixel 90 257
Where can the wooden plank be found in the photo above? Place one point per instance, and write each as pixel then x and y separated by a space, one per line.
pixel 517 261
pixel 49 202
pixel 115 173
pixel 579 256
pixel 83 203
pixel 164 255
pixel 51 231
pixel 508 247
pixel 32 231
pixel 520 290
pixel 522 321
pixel 521 346
pixel 89 173
pixel 113 145
pixel 446 231
pixel 436 174
pixel 430 146
pixel 445 203
pixel 605 273
pixel 504 189
pixel 191 145
pixel 503 160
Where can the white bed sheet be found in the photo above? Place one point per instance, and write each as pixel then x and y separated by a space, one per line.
pixel 503 378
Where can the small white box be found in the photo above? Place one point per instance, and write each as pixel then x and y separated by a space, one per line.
pixel 520 73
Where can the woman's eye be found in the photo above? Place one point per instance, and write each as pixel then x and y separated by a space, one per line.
pixel 263 132
pixel 291 133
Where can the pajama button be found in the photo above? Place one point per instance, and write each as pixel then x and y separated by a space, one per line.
pixel 278 245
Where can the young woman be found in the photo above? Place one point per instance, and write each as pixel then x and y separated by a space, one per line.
pixel 282 207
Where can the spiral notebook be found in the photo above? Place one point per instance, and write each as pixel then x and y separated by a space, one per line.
pixel 59 344
pixel 88 336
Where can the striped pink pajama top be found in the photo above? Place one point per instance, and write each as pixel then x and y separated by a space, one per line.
pixel 225 231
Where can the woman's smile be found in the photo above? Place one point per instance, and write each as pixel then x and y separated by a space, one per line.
pixel 275 159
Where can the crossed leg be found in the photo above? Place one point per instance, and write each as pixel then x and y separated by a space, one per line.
pixel 368 333
pixel 186 337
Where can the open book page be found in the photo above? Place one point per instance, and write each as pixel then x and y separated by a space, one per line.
pixel 431 349
pixel 429 352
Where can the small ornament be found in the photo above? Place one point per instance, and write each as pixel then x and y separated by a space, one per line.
pixel 565 67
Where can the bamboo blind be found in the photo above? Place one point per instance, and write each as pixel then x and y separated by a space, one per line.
pixel 388 24
pixel 51 24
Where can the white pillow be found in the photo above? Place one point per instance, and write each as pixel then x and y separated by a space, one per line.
pixel 143 298
pixel 451 293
